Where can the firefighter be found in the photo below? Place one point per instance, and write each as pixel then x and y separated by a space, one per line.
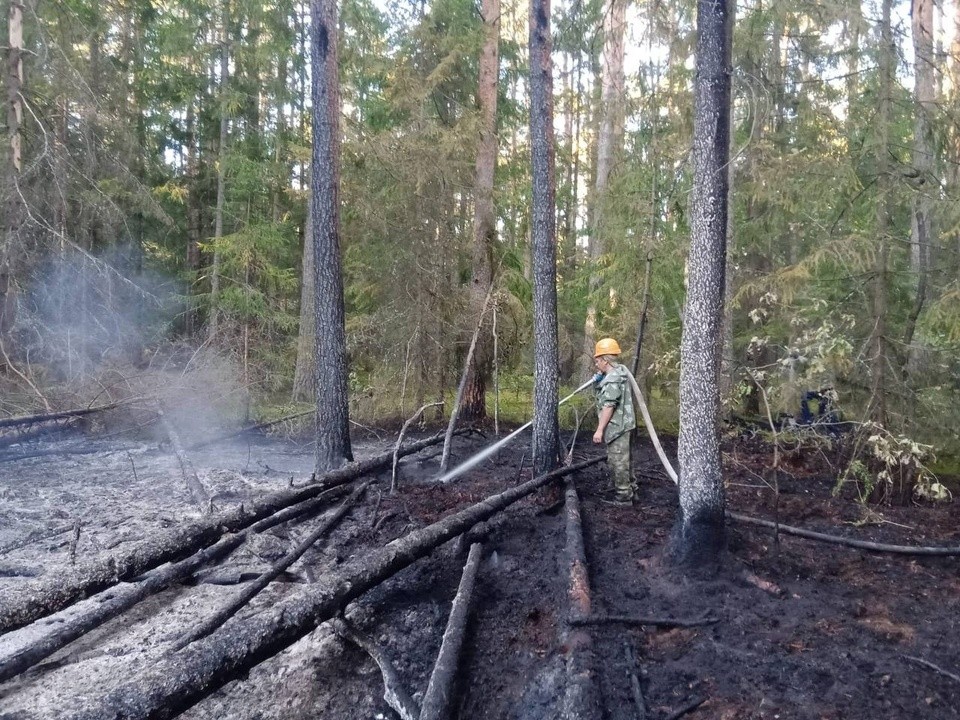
pixel 617 420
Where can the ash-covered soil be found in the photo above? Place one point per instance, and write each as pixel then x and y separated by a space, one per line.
pixel 805 630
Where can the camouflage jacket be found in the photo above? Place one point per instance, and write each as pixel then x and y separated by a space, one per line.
pixel 613 389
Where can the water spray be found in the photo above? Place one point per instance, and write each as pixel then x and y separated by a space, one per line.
pixel 493 449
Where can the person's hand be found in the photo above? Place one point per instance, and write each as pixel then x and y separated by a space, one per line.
pixel 598 437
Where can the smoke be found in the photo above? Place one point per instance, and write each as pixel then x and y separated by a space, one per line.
pixel 104 327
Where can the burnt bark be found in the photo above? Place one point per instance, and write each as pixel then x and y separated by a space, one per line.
pixel 157 581
pixel 180 680
pixel 27 603
pixel 698 535
pixel 253 589
pixel 333 421
pixel 546 365
pixel 437 699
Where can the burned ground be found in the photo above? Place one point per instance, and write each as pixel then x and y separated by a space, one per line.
pixel 804 630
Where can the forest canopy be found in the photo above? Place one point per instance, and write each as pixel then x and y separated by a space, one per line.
pixel 155 197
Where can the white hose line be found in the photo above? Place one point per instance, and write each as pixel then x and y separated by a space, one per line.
pixel 653 433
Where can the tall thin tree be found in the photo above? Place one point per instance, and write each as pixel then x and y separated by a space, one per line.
pixel 13 207
pixel 333 420
pixel 698 536
pixel 546 366
pixel 609 141
pixel 484 224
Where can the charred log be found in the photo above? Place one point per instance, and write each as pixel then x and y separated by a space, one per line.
pixel 181 679
pixel 252 590
pixel 155 582
pixel 23 605
pixel 436 702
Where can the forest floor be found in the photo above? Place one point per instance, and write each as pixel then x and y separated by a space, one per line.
pixel 804 630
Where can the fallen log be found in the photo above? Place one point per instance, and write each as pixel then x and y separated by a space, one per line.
pixel 22 436
pixel 158 580
pixel 580 698
pixel 28 602
pixel 253 589
pixel 78 412
pixel 849 542
pixel 436 701
pixel 179 680
pixel 394 693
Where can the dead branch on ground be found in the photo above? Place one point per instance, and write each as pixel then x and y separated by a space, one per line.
pixel 436 701
pixel 155 582
pixel 26 603
pixel 849 542
pixel 253 589
pixel 631 620
pixel 393 691
pixel 76 412
pixel 180 680
pixel 935 668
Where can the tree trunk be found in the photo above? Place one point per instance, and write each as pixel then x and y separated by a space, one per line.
pixel 484 226
pixel 214 325
pixel 698 536
pixel 193 215
pixel 609 142
pixel 879 343
pixel 333 420
pixel 13 210
pixel 304 376
pixel 925 103
pixel 546 367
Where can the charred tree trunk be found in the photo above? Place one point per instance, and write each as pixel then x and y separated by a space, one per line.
pixel 485 220
pixel 546 366
pixel 333 417
pixel 214 325
pixel 180 680
pixel 698 536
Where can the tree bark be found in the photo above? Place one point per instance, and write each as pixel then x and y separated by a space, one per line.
pixel 304 376
pixel 484 224
pixel 609 142
pixel 698 537
pixel 924 104
pixel 180 680
pixel 546 367
pixel 13 208
pixel 29 602
pixel 214 323
pixel 333 414
pixel 879 342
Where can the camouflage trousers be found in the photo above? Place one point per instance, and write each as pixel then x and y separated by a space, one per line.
pixel 619 461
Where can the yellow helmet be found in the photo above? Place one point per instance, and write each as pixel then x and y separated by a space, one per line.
pixel 606 346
